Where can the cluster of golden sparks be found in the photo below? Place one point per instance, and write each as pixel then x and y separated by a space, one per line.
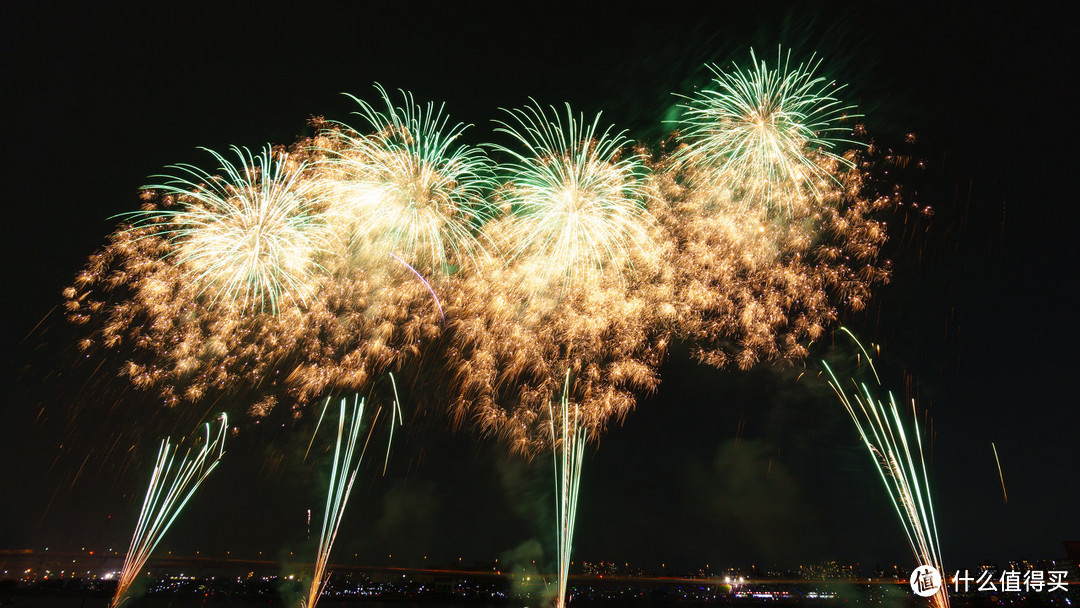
pixel 568 251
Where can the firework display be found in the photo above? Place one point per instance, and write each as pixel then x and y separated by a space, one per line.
pixel 172 484
pixel 557 265
pixel 297 272
pixel 894 442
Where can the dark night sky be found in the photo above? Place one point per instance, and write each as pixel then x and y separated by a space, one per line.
pixel 980 314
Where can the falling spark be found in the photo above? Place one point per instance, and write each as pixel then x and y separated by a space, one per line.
pixel 172 484
pixel 395 408
pixel 903 471
pixel 1000 474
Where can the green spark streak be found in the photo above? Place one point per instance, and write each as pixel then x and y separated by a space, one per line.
pixel 342 475
pixel 172 485
pixel 346 464
pixel 568 457
pixel 892 448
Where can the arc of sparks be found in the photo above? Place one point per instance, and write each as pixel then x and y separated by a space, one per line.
pixel 170 488
pixel 1000 474
pixel 438 304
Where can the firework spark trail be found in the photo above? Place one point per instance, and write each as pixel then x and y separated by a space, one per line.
pixel 342 476
pixel 570 439
pixel 893 450
pixel 1000 474
pixel 438 304
pixel 346 464
pixel 396 408
pixel 172 484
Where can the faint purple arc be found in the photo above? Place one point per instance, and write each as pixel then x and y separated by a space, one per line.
pixel 426 284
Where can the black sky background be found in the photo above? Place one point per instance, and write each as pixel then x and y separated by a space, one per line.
pixel 979 321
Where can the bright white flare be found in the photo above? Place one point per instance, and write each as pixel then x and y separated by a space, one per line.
pixel 253 234
pixel 761 132
pixel 404 184
pixel 577 202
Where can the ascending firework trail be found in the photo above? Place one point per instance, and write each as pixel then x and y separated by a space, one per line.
pixel 895 444
pixel 172 484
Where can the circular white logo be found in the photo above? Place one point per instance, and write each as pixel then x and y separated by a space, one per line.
pixel 925 581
